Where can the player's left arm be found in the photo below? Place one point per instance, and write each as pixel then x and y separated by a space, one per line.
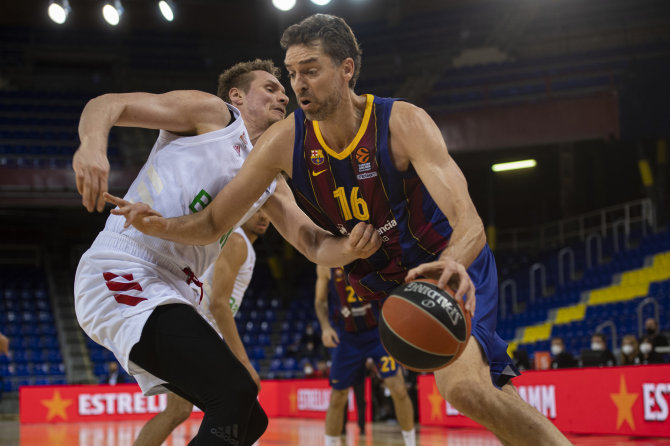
pixel 315 243
pixel 328 334
pixel 4 344
pixel 417 140
pixel 227 266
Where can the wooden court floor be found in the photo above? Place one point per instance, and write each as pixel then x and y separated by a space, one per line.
pixel 281 432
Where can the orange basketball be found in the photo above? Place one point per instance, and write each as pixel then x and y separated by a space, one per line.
pixel 423 327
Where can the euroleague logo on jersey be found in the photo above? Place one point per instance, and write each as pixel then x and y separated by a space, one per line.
pixel 362 155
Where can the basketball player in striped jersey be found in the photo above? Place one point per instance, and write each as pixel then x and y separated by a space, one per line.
pixel 224 284
pixel 349 328
pixel 354 158
pixel 137 295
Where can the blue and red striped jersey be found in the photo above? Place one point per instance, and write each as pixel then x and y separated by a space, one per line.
pixel 339 189
pixel 346 310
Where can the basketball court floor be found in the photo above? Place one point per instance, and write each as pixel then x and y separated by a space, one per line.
pixel 281 432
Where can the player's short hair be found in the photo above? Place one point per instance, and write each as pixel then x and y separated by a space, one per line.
pixel 240 76
pixel 336 38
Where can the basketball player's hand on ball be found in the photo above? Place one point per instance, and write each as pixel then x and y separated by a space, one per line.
pixel 91 168
pixel 363 241
pixel 329 337
pixel 448 273
pixel 140 215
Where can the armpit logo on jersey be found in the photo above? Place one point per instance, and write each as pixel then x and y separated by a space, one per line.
pixel 227 434
pixel 243 146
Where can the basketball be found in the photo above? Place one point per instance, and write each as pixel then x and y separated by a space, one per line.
pixel 423 327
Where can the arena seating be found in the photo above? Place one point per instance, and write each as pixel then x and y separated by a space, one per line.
pixel 26 318
pixel 612 297
pixel 38 129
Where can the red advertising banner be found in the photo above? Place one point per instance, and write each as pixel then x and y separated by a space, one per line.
pixel 610 400
pixel 307 398
pixel 53 404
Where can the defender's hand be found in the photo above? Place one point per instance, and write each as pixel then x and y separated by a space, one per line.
pixel 91 168
pixel 363 240
pixel 140 215
pixel 448 272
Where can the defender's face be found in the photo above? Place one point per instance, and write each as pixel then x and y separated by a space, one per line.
pixel 266 99
pixel 257 224
pixel 318 83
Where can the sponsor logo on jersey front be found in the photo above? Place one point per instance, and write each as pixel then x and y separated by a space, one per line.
pixel 366 175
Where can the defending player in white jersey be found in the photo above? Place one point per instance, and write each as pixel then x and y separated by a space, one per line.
pixel 224 284
pixel 138 296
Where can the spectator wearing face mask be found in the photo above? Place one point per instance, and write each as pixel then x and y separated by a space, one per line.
pixel 599 344
pixel 657 339
pixel 629 351
pixel 561 359
pixel 648 354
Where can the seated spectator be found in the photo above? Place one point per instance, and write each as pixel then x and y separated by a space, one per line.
pixel 114 375
pixel 657 339
pixel 648 353
pixel 521 359
pixel 599 355
pixel 561 358
pixel 629 351
pixel 320 371
pixel 310 343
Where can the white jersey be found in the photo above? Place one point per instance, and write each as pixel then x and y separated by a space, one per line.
pixel 182 176
pixel 241 282
pixel 125 274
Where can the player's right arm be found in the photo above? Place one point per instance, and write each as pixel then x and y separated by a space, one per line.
pixel 183 112
pixel 272 153
pixel 328 335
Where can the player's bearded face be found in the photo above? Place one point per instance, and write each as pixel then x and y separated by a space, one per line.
pixel 323 108
pixel 315 79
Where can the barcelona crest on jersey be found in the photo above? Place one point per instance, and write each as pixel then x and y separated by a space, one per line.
pixel 317 156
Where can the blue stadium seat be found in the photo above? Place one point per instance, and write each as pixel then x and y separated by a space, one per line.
pixel 54 356
pixel 57 369
pixel 279 351
pixel 258 352
pixel 264 339
pixel 276 365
